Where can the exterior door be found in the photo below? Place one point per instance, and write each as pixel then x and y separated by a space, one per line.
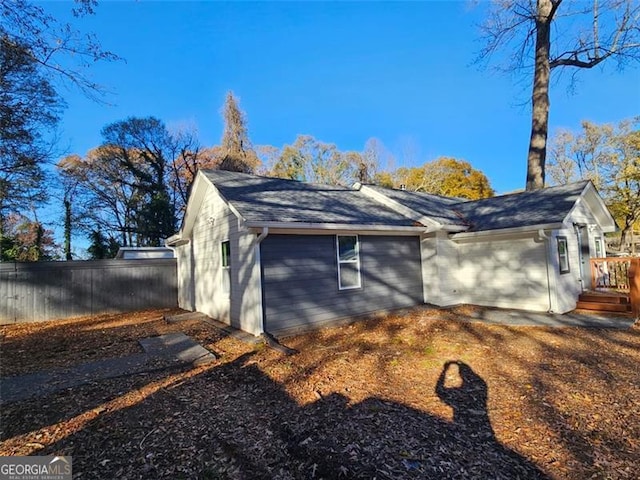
pixel 584 256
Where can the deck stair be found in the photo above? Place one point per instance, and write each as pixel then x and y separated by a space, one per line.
pixel 611 302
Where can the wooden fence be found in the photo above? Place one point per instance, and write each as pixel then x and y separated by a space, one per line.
pixel 40 291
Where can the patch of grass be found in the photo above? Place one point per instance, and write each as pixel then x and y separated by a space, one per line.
pixel 430 364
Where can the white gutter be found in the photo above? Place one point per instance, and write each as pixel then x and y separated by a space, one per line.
pixel 176 240
pixel 335 226
pixel 258 263
pixel 263 235
pixel 506 231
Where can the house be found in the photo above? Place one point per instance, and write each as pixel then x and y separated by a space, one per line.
pixel 272 255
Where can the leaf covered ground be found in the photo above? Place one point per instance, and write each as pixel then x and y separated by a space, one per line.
pixel 417 394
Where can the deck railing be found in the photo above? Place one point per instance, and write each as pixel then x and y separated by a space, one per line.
pixel 610 273
pixel 618 274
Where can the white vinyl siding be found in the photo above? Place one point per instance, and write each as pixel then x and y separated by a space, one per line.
pixel 241 306
pixel 348 250
pixel 508 273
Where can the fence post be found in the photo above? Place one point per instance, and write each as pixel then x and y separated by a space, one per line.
pixel 634 286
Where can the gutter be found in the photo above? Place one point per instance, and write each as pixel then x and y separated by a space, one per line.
pixel 267 338
pixel 258 261
pixel 176 240
pixel 336 226
pixel 506 231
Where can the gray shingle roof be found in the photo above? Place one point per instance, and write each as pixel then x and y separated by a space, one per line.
pixel 263 199
pixel 538 207
pixel 439 208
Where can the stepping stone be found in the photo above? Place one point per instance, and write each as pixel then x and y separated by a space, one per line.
pixel 181 317
pixel 179 346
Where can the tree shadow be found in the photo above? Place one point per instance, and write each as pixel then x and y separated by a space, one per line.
pixel 234 421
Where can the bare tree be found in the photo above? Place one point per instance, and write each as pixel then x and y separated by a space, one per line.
pixel 58 48
pixel 544 35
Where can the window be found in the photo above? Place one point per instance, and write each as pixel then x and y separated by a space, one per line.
pixel 348 262
pixel 563 254
pixel 598 247
pixel 226 270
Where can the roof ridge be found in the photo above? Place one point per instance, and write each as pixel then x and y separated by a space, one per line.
pixel 529 192
pixel 266 177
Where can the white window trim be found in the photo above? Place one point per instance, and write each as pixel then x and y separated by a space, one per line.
pixel 356 261
pixel 561 239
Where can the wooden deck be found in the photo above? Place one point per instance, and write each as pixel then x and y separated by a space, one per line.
pixel 615 286
pixel 613 302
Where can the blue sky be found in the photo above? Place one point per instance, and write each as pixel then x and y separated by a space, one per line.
pixel 343 72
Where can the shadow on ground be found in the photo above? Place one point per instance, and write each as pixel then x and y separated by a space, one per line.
pixel 232 421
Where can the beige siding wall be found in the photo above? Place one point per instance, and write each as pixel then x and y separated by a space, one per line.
pixel 582 214
pixel 507 273
pixel 430 283
pixel 569 285
pixel 448 265
pixel 186 299
pixel 214 224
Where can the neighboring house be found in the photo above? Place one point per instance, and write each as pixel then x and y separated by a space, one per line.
pixel 139 253
pixel 266 254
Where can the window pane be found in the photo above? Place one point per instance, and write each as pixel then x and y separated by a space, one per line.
pixel 562 246
pixel 225 254
pixel 347 248
pixel 563 255
pixel 349 275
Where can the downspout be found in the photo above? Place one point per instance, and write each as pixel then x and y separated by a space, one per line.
pixel 263 235
pixel 544 237
pixel 268 339
pixel 576 229
pixel 260 305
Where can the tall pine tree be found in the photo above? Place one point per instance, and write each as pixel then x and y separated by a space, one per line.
pixel 237 151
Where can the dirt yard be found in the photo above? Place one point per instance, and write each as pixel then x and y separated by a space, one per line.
pixel 415 395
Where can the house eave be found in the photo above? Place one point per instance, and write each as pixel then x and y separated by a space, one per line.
pixel 533 229
pixel 312 227
pixel 176 240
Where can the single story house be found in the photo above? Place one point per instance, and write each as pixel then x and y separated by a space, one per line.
pixel 271 255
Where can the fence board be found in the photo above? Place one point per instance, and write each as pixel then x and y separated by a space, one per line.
pixel 31 292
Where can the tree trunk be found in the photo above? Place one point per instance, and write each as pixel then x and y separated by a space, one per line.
pixel 67 230
pixel 626 236
pixel 540 98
